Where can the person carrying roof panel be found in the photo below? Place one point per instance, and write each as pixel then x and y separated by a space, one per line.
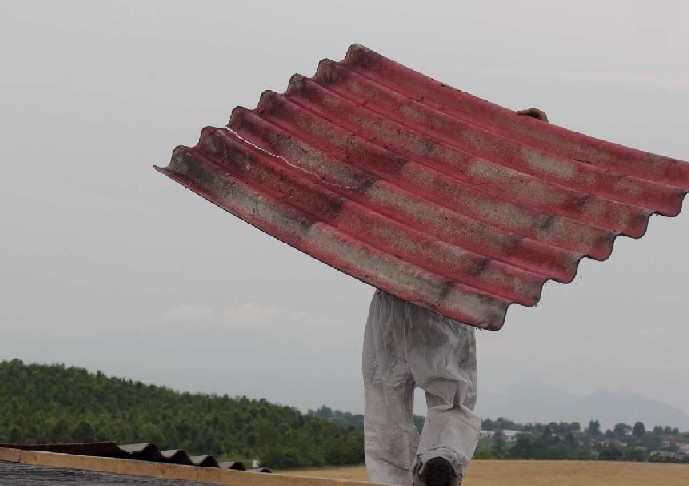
pixel 406 346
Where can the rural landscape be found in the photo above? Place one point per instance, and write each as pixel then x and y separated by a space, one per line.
pixel 54 403
pixel 230 228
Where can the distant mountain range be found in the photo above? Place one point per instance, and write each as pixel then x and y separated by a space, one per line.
pixel 536 402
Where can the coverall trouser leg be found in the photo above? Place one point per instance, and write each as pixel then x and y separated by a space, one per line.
pixel 407 346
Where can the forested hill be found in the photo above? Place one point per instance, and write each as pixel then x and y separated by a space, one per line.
pixel 53 403
pixel 355 420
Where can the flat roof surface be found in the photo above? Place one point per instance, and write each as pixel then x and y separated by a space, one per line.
pixel 29 475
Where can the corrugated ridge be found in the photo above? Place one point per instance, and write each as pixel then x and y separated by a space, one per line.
pixel 211 179
pixel 396 203
pixel 558 140
pixel 426 182
pixel 433 155
pixel 268 174
pixel 569 173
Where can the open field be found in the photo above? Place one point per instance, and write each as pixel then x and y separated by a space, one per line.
pixel 545 473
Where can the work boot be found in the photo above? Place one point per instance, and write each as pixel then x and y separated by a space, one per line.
pixel 437 471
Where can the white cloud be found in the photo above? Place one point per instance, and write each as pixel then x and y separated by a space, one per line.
pixel 247 314
pixel 186 311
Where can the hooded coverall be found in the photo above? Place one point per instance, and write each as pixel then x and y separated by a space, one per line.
pixel 407 346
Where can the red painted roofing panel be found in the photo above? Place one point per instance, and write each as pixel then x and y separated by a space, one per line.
pixel 448 201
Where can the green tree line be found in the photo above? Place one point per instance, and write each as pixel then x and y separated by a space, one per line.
pixel 54 403
pixel 563 440
pixel 560 440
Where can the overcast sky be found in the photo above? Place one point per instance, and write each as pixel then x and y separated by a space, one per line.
pixel 106 264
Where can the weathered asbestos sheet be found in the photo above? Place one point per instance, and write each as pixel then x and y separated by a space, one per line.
pixel 443 199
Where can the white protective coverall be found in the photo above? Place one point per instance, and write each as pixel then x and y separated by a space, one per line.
pixel 407 346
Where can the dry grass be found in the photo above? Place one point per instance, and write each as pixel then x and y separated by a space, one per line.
pixel 545 473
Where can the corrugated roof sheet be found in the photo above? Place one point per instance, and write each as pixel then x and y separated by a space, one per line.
pixel 145 451
pixel 443 199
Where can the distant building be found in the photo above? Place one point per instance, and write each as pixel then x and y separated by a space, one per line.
pixel 611 443
pixel 510 436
